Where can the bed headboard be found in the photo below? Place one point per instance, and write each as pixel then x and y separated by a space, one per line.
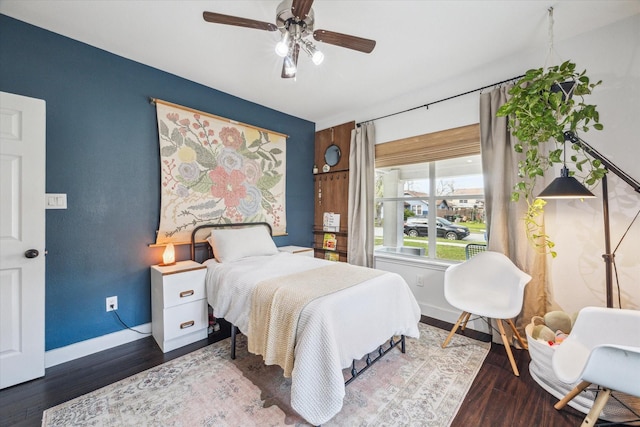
pixel 199 236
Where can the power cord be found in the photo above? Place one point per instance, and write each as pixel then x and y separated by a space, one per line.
pixel 114 311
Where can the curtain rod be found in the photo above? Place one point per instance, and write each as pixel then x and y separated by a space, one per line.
pixel 441 100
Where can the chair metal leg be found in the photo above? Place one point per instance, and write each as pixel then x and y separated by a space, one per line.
pixel 598 405
pixel 517 334
pixel 507 347
pixel 573 393
pixel 454 329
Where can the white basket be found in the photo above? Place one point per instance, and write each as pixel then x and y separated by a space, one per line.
pixel 542 372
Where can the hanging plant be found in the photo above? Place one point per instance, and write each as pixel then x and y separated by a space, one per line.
pixel 545 104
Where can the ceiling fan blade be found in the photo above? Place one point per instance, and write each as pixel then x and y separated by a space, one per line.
pixel 294 58
pixel 218 18
pixel 345 40
pixel 300 8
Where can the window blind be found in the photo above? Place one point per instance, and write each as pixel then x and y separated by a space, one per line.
pixel 446 144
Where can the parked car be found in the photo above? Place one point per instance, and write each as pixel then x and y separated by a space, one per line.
pixel 418 226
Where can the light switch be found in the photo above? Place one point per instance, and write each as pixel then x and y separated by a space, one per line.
pixel 56 201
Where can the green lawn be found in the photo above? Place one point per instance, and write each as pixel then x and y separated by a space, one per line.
pixel 475 227
pixel 449 252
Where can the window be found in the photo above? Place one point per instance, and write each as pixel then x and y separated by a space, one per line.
pixel 441 170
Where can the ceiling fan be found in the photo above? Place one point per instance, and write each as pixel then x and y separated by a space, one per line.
pixel 295 19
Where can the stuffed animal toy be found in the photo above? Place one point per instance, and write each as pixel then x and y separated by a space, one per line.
pixel 553 328
pixel 558 321
pixel 543 332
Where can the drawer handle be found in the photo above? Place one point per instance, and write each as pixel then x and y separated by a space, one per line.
pixel 188 293
pixel 188 324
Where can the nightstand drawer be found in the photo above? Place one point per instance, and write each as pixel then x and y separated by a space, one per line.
pixel 183 288
pixel 185 319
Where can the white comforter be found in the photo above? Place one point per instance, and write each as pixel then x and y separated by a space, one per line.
pixel 333 330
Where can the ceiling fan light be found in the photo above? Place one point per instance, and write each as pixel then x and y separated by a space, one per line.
pixel 282 47
pixel 317 57
pixel 289 67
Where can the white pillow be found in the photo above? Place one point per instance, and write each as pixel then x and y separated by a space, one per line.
pixel 231 244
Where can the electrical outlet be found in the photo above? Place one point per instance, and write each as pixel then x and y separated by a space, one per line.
pixel 112 303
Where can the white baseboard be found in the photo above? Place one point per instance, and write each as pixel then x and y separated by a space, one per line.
pixel 450 316
pixel 84 348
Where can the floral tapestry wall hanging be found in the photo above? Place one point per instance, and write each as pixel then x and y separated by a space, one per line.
pixel 215 170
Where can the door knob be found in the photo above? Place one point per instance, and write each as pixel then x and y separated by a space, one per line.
pixel 31 253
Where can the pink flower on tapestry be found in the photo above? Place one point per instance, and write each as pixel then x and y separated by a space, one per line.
pixel 231 137
pixel 228 186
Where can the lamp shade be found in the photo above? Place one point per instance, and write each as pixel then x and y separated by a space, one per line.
pixel 566 187
pixel 169 255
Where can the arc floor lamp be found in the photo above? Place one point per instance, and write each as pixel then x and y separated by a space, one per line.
pixel 566 187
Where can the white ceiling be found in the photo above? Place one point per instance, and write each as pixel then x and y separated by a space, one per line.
pixel 419 43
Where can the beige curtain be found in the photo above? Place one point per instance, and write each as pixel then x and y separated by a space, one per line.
pixel 361 195
pixel 505 224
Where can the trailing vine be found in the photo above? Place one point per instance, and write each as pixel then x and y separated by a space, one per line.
pixel 544 104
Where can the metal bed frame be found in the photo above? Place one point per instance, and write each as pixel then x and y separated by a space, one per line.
pixel 379 353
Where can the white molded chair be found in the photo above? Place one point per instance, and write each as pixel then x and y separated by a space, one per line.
pixel 487 285
pixel 603 349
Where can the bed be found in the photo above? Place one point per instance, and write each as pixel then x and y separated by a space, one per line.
pixel 329 331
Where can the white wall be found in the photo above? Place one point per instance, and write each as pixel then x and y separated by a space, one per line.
pixel 578 274
pixel 425 281
pixel 612 54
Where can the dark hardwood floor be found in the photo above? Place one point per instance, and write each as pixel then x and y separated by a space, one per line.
pixel 496 397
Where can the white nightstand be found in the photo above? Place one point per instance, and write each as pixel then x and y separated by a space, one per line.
pixel 179 312
pixel 298 250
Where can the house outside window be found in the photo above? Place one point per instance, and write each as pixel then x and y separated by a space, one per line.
pixel 431 208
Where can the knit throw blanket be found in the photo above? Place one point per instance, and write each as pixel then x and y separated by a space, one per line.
pixel 276 305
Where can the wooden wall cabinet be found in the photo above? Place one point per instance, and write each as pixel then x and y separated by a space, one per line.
pixel 331 189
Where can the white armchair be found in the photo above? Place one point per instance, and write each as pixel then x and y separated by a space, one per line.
pixel 487 285
pixel 603 349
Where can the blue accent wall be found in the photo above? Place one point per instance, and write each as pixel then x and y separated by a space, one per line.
pixel 102 151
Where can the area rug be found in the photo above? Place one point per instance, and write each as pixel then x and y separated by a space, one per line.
pixel 423 387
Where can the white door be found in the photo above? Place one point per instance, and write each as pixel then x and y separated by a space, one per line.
pixel 22 237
